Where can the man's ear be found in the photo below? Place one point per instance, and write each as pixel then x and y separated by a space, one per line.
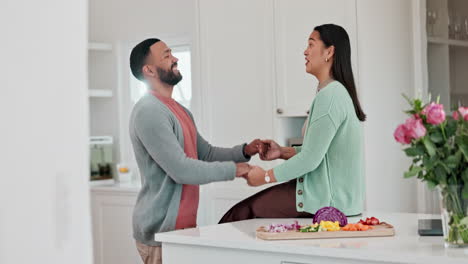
pixel 147 70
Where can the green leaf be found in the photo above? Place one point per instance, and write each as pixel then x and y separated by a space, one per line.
pixel 443 165
pixel 441 174
pixel 453 160
pixel 464 221
pixel 431 185
pixel 437 137
pixel 464 149
pixel 429 146
pixel 464 176
pixel 450 128
pixel 429 163
pixel 420 175
pixel 465 191
pixel 418 105
pixel 414 170
pixel 414 151
pixel 410 102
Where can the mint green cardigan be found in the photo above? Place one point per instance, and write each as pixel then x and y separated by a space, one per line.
pixel 329 165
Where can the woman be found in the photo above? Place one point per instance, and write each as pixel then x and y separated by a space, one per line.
pixel 328 169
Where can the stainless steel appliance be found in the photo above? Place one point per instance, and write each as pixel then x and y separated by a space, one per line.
pixel 102 164
pixel 293 142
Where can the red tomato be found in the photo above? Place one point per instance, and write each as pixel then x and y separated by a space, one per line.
pixel 370 221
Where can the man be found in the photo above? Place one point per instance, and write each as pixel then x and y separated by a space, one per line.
pixel 172 157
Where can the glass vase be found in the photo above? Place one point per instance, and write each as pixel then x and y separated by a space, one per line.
pixel 454 210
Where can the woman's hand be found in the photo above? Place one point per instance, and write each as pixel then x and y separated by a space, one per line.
pixel 269 150
pixel 256 176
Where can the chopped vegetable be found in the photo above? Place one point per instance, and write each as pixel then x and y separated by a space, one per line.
pixel 278 228
pixel 356 227
pixel 370 221
pixel 322 227
pixel 310 228
pixel 330 226
pixel 330 214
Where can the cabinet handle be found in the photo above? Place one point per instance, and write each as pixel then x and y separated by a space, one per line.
pixel 279 111
pixel 308 111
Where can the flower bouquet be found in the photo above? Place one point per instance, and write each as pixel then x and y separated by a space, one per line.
pixel 438 146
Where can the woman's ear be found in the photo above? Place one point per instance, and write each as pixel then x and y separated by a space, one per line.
pixel 331 51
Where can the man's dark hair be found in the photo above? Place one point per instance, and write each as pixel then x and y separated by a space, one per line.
pixel 138 57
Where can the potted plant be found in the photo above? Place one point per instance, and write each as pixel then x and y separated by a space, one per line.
pixel 438 146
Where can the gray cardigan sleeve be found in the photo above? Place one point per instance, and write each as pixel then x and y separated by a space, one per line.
pixel 208 152
pixel 155 130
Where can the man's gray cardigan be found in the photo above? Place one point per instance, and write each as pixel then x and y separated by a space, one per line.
pixel 158 143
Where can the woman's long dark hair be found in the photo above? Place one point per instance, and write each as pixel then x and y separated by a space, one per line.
pixel 334 35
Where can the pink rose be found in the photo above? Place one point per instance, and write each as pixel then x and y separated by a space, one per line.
pixel 435 113
pixel 400 135
pixel 463 111
pixel 413 128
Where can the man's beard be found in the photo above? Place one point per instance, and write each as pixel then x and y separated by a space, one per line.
pixel 169 77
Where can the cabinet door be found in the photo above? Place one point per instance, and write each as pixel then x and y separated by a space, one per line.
pixel 237 69
pixel 112 228
pixel 235 43
pixel 294 21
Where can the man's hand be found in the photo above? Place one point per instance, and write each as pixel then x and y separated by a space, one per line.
pixel 253 147
pixel 270 150
pixel 242 169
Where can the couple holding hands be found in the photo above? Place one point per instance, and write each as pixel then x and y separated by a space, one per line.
pixel 174 159
pixel 267 150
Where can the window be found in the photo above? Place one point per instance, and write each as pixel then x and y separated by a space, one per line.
pixel 182 91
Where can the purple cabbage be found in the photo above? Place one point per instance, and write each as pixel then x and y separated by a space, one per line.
pixel 330 214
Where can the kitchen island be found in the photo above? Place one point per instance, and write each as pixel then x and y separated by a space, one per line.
pixel 236 243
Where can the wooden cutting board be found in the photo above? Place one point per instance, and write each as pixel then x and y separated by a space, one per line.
pixel 382 230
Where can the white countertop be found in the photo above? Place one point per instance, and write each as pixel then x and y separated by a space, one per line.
pixel 112 186
pixel 405 247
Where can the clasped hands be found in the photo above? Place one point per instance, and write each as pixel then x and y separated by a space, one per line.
pixel 267 150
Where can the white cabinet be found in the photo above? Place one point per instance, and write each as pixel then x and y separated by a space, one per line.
pixel 103 104
pixel 100 69
pixel 235 43
pixel 237 84
pixel 293 23
pixel 447 49
pixel 112 225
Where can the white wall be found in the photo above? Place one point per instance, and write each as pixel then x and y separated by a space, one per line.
pixel 44 199
pixel 117 20
pixel 385 72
